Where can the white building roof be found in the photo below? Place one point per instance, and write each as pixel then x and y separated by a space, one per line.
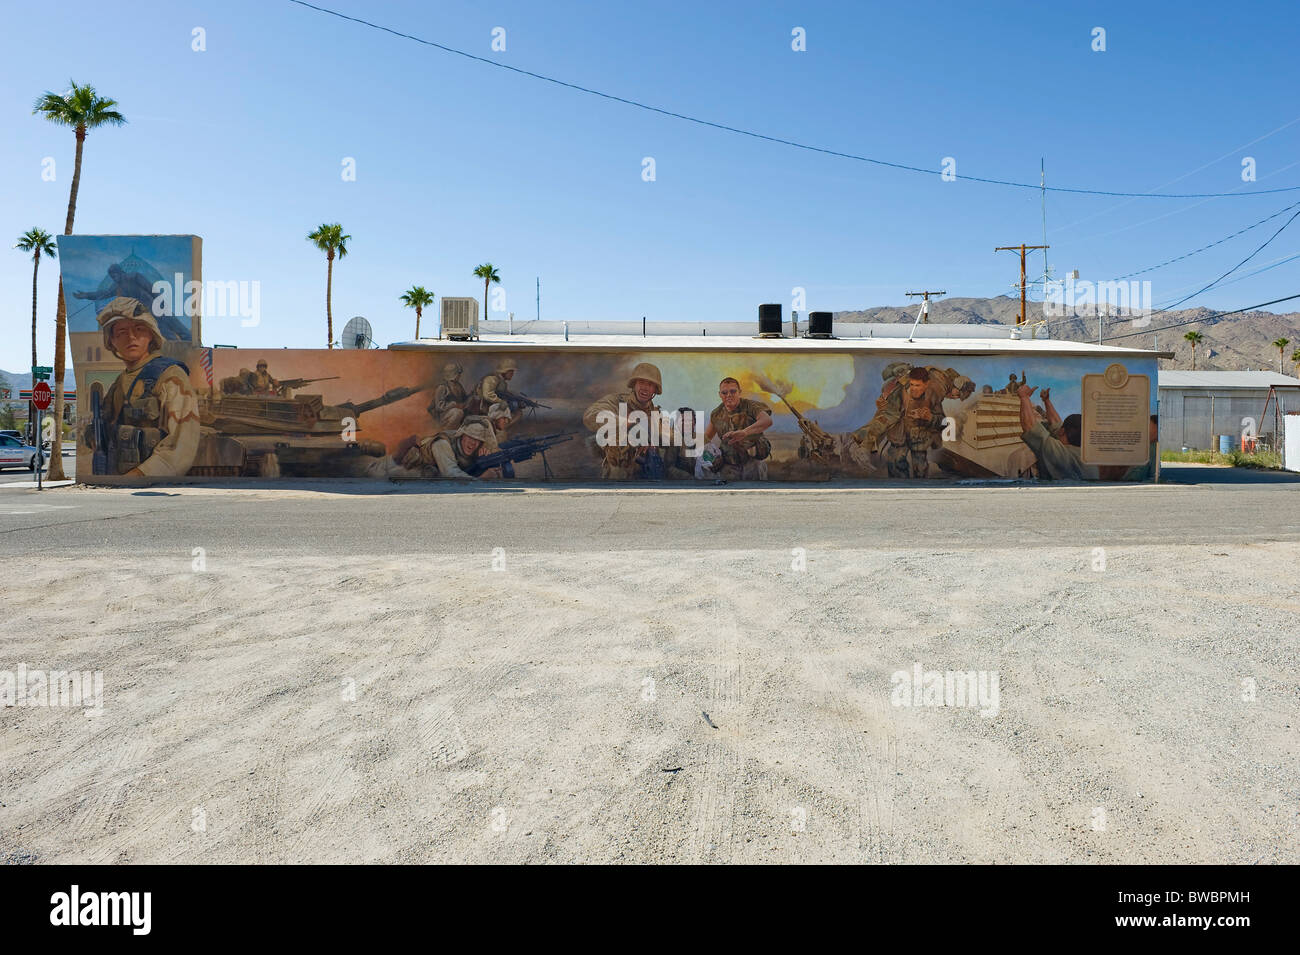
pixel 1253 380
pixel 736 343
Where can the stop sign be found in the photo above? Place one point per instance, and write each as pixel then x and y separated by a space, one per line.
pixel 41 395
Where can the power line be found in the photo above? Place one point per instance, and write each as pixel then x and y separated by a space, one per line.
pixel 1235 267
pixel 774 139
pixel 1187 255
pixel 1205 318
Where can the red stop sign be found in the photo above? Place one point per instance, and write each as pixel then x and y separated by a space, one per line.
pixel 41 395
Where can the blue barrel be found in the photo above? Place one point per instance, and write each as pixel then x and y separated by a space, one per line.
pixel 1225 443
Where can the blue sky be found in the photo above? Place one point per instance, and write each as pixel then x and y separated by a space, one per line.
pixel 458 163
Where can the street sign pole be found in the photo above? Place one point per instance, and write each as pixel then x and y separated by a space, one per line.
pixel 41 398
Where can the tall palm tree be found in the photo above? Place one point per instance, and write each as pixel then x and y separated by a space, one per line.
pixel 38 242
pixel 1280 344
pixel 331 240
pixel 82 109
pixel 417 297
pixel 1195 338
pixel 488 273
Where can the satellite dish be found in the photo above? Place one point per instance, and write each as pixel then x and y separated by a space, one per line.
pixel 357 333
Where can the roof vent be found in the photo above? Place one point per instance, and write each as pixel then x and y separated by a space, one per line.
pixel 769 321
pixel 819 325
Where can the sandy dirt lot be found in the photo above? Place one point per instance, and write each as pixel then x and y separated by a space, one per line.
pixel 655 704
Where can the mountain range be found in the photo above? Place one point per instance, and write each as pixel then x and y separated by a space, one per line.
pixel 1240 342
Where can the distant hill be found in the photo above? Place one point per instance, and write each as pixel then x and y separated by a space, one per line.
pixel 18 381
pixel 1239 342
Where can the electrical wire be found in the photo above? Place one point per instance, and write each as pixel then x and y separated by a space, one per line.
pixel 775 139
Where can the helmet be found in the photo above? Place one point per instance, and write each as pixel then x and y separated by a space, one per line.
pixel 475 429
pixel 505 365
pixel 894 369
pixel 963 384
pixel 451 371
pixel 127 308
pixel 499 409
pixel 647 372
pixel 261 363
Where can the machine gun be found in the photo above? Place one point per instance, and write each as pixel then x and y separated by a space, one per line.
pixel 99 434
pixel 514 401
pixel 520 449
pixel 817 442
pixel 286 383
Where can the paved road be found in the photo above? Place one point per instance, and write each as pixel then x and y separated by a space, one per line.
pixel 346 519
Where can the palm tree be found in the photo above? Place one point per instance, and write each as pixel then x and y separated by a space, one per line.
pixel 1280 344
pixel 1295 358
pixel 488 274
pixel 330 240
pixel 417 297
pixel 38 242
pixel 1195 338
pixel 83 109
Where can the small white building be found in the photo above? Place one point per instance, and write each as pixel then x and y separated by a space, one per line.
pixel 1198 406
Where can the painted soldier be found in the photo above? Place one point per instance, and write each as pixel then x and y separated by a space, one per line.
pixel 261 380
pixel 917 430
pixel 492 388
pixel 148 424
pixel 447 455
pixel 739 423
pixel 623 462
pixel 449 398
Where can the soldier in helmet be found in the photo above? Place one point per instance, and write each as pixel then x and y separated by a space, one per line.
pixel 502 420
pixel 261 381
pixel 623 462
pixel 492 388
pixel 738 423
pixel 448 454
pixel 449 398
pixel 917 429
pixel 150 416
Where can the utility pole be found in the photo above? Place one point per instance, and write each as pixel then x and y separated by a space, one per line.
pixel 539 298
pixel 925 309
pixel 1022 249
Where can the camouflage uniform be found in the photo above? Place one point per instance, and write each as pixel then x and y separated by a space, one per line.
pixel 741 462
pixel 491 389
pixel 449 399
pixel 150 414
pixel 618 462
pixel 911 438
pixel 261 380
pixel 441 455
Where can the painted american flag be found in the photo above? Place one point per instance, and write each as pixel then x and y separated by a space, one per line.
pixel 205 359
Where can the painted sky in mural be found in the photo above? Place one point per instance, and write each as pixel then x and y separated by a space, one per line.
pixel 98 268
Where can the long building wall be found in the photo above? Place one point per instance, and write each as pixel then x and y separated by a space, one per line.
pixel 378 413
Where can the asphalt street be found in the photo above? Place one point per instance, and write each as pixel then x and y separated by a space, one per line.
pixel 321 518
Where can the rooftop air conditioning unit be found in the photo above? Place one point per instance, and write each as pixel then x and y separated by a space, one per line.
pixel 460 318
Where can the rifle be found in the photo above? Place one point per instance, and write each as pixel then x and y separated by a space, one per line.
pixel 514 401
pixel 286 383
pixel 98 460
pixel 820 443
pixel 519 449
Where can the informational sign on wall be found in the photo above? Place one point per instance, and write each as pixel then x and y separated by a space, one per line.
pixel 1116 410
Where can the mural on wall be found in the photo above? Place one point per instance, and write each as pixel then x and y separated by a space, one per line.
pixel 470 413
pixel 154 270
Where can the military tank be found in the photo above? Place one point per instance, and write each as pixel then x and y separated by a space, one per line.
pixel 272 436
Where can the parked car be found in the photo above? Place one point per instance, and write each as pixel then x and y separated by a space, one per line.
pixel 15 454
pixel 12 434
